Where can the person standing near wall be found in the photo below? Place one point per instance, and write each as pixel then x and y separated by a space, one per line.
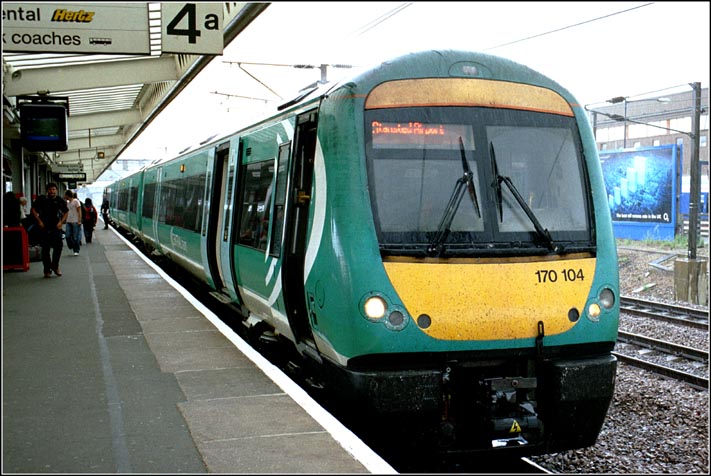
pixel 73 222
pixel 51 212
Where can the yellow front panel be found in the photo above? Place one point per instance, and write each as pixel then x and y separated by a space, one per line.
pixel 486 301
pixel 466 92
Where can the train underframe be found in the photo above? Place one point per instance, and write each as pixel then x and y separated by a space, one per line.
pixel 486 403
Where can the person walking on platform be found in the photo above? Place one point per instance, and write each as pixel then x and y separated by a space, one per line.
pixel 73 222
pixel 89 220
pixel 105 212
pixel 51 212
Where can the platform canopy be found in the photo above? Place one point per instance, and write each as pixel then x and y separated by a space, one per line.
pixel 116 72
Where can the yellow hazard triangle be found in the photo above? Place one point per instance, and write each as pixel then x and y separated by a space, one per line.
pixel 515 427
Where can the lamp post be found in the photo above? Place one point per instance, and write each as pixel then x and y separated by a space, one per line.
pixel 695 188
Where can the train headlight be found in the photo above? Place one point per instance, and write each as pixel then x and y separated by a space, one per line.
pixel 607 298
pixel 375 307
pixel 378 308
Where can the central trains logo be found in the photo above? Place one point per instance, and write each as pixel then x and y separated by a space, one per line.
pixel 62 15
pixel 178 242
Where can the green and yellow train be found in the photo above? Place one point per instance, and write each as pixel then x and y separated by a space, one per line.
pixel 432 234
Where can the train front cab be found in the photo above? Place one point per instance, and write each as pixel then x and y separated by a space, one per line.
pixel 497 297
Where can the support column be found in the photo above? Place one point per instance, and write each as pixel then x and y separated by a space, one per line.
pixel 690 280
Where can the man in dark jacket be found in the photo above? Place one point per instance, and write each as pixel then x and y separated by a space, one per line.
pixel 105 212
pixel 50 211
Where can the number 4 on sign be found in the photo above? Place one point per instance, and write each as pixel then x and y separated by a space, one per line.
pixel 194 28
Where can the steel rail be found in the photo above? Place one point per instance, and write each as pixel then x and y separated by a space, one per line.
pixel 693 380
pixel 663 346
pixel 687 316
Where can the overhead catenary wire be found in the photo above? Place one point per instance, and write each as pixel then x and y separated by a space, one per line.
pixel 566 27
pixel 372 24
pixel 400 8
pixel 356 33
pixel 241 97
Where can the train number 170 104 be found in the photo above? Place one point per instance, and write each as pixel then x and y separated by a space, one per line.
pixel 564 275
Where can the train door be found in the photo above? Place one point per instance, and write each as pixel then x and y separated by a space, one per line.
pixel 297 212
pixel 227 160
pixel 213 218
pixel 157 205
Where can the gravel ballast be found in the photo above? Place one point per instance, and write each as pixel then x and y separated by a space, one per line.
pixel 654 425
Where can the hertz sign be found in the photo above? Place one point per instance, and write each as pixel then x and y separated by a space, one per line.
pixel 100 28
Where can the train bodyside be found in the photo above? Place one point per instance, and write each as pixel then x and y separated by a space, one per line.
pixel 125 196
pixel 175 204
pixel 172 218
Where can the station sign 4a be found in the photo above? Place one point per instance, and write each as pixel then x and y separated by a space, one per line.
pixel 194 28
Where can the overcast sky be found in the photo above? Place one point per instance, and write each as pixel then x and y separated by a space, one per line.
pixel 596 50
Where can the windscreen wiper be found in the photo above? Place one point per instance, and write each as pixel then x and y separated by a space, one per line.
pixel 542 232
pixel 436 248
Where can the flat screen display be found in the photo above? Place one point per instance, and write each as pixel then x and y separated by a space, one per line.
pixel 43 127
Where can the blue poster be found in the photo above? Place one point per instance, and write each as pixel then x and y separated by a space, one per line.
pixel 640 186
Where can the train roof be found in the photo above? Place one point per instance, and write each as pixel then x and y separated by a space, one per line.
pixel 415 64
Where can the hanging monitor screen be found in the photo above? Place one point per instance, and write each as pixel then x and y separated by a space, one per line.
pixel 43 127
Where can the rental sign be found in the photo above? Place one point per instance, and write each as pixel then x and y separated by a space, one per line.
pixel 93 28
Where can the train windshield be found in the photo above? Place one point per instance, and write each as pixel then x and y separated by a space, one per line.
pixel 476 181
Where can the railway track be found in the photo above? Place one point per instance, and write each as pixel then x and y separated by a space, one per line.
pixel 697 318
pixel 648 347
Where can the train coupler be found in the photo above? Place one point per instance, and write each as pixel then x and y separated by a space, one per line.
pixel 514 419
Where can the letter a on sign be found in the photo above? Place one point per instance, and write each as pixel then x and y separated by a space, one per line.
pixel 194 28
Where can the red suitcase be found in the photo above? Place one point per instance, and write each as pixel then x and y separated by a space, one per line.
pixel 16 249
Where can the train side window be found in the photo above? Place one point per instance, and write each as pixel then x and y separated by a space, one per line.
pixel 256 204
pixel 149 200
pixel 133 201
pixel 122 200
pixel 168 206
pixel 194 202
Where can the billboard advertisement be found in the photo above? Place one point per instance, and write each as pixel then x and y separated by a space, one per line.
pixel 641 187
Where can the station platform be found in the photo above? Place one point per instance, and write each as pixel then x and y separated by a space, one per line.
pixel 114 368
